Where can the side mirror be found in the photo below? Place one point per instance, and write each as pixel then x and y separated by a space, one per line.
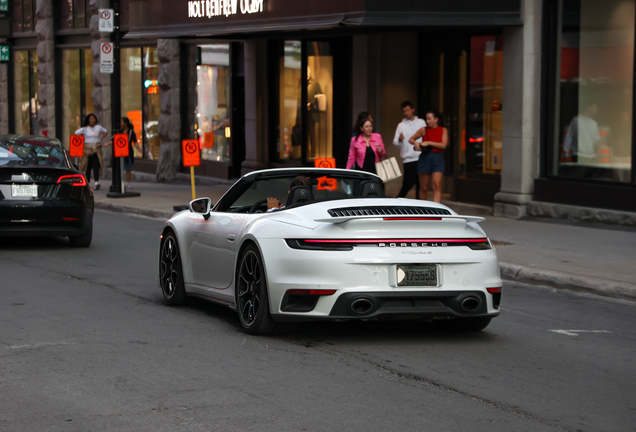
pixel 202 206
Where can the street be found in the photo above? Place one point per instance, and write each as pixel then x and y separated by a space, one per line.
pixel 87 344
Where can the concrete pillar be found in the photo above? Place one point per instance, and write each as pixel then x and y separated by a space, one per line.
pixel 45 30
pixel 521 117
pixel 170 119
pixel 255 143
pixel 101 82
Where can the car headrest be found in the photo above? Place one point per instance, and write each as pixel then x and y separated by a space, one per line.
pixel 371 189
pixel 299 194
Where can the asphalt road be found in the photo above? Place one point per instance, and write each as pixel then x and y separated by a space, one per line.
pixel 86 344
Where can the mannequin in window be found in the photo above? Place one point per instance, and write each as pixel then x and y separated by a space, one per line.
pixel 314 96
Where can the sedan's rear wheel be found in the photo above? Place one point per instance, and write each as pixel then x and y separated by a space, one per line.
pixel 84 239
pixel 252 301
pixel 170 271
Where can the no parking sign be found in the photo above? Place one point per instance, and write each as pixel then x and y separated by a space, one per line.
pixel 120 141
pixel 76 147
pixel 191 154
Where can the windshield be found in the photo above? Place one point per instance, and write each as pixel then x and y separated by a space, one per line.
pixel 31 153
pixel 322 187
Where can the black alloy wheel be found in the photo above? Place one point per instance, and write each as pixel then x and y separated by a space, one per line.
pixel 170 271
pixel 252 301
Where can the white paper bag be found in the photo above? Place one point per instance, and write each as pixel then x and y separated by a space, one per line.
pixel 388 169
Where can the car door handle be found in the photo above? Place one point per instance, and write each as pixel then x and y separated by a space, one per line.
pixel 231 237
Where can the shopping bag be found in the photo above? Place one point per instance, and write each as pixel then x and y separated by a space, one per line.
pixel 388 169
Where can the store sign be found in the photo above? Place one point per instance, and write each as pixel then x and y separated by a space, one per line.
pixel 4 5
pixel 106 62
pixel 106 20
pixel 134 64
pixel 5 53
pixel 214 8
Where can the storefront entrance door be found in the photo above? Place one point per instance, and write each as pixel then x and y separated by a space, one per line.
pixel 463 80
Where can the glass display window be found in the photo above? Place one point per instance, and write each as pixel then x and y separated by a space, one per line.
pixel 213 102
pixel 483 135
pixel 290 126
pixel 77 87
pixel 305 101
pixel 151 103
pixel 131 93
pixel 592 117
pixel 26 86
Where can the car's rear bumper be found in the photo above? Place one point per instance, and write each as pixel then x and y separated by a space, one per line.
pixel 38 218
pixel 368 273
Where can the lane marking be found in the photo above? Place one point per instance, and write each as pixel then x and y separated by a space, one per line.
pixel 38 345
pixel 574 332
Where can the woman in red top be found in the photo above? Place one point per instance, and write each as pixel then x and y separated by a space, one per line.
pixel 366 148
pixel 431 162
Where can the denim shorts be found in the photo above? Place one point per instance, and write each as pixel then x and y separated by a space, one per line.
pixel 128 162
pixel 430 163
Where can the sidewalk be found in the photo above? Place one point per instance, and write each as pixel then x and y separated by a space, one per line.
pixel 599 259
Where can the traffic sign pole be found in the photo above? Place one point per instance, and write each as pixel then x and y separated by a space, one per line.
pixel 194 194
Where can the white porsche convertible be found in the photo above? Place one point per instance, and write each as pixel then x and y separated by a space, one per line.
pixel 337 249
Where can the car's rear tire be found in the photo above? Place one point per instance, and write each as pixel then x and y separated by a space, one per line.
pixel 252 300
pixel 171 271
pixel 85 239
pixel 464 324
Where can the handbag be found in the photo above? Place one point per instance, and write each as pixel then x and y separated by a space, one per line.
pixel 388 169
pixel 427 149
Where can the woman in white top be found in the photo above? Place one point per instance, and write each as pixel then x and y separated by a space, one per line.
pixel 93 156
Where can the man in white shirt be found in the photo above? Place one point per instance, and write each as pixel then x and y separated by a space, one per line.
pixel 405 130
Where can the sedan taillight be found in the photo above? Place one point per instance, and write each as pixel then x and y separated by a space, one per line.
pixel 74 180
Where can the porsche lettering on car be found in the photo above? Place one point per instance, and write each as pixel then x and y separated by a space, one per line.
pixel 338 249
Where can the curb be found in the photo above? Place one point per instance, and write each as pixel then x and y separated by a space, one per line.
pixel 117 208
pixel 535 276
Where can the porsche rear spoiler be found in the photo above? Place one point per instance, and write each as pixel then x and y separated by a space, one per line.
pixel 453 218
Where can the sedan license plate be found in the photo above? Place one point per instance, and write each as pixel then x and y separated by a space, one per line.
pixel 417 275
pixel 24 191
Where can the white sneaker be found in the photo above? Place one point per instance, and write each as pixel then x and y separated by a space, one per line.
pixel 97 186
pixel 128 186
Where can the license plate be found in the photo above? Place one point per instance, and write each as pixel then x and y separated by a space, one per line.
pixel 417 275
pixel 24 191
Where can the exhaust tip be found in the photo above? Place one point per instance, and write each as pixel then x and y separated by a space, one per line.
pixel 361 306
pixel 470 304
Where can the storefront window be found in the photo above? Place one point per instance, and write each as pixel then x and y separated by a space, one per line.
pixel 26 85
pixel 151 103
pixel 73 14
pixel 317 115
pixel 213 102
pixel 594 90
pixel 140 98
pixel 485 104
pixel 77 88
pixel 23 15
pixel 131 91
pixel 319 100
pixel 288 146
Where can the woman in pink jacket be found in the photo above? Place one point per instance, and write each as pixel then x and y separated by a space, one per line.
pixel 366 148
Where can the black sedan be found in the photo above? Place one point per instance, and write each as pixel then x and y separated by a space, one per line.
pixel 42 192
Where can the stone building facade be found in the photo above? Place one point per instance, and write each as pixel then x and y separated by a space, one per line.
pixel 514 81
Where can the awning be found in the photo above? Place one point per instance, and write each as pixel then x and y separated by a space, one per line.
pixel 177 18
